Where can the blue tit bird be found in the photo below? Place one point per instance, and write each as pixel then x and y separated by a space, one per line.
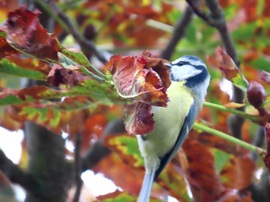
pixel 186 93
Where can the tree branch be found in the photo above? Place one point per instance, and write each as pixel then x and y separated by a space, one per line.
pixel 258 141
pixel 16 175
pixel 200 13
pixel 216 19
pixel 178 33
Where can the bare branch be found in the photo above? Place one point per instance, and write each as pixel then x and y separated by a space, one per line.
pixel 78 167
pixel 258 141
pixel 195 7
pixel 217 20
pixel 178 33
pixel 220 24
pixel 16 174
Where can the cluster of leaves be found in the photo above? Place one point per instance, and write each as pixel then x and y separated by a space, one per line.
pixel 135 79
pixel 81 98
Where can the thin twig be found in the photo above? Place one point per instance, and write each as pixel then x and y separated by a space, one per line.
pixel 235 122
pixel 227 137
pixel 178 33
pixel 200 13
pixel 68 26
pixel 17 175
pixel 239 113
pixel 216 19
pixel 217 15
pixel 78 167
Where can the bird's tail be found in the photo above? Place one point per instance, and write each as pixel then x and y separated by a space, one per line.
pixel 146 187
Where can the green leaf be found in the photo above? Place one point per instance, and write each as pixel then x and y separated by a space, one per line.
pixel 244 32
pixel 127 147
pixel 10 100
pixel 118 197
pixel 240 81
pixel 261 63
pixel 174 182
pixel 88 88
pixel 220 158
pixel 80 59
pixel 55 116
pixel 8 67
pixel 3 34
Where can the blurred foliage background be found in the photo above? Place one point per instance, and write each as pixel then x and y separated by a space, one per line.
pixel 207 168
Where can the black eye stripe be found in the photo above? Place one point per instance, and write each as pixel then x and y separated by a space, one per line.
pixel 181 63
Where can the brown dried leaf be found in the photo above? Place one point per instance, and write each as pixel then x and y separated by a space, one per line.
pixel 204 182
pixel 121 174
pixel 60 75
pixel 25 32
pixel 238 173
pixel 5 48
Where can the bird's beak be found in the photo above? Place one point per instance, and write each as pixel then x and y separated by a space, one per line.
pixel 168 65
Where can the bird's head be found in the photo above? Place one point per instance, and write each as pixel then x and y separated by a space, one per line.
pixel 190 69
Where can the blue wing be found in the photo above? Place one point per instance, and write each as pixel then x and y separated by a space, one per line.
pixel 187 125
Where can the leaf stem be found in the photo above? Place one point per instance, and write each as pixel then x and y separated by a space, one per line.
pixel 81 59
pixel 91 74
pixel 225 136
pixel 233 111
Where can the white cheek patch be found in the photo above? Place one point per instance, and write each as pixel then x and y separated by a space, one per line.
pixel 184 72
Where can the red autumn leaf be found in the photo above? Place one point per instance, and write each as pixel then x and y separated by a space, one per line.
pixel 230 70
pixel 217 142
pixel 6 120
pixel 227 66
pixel 204 182
pixel 139 119
pixel 94 127
pixel 172 180
pixel 30 63
pixel 25 32
pixel 36 92
pixel 238 173
pixel 5 48
pixel 122 175
pixel 139 78
pixel 144 81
